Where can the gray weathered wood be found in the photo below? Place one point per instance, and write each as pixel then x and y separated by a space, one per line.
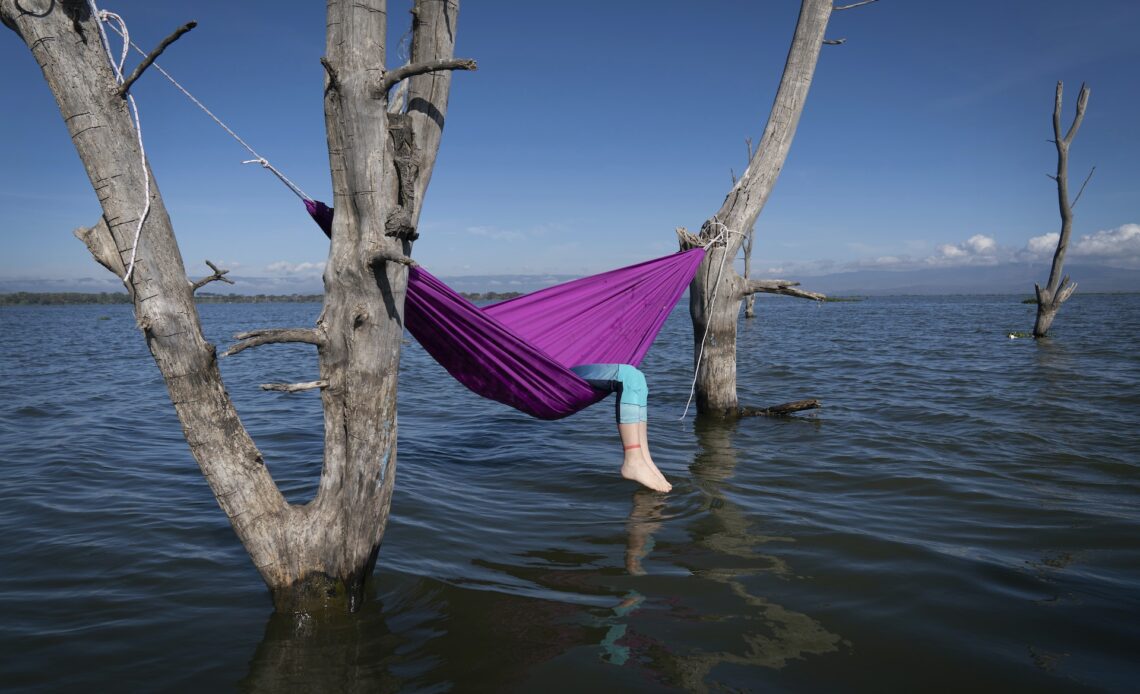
pixel 101 245
pixel 782 410
pixel 323 550
pixel 218 276
pixel 717 290
pixel 153 56
pixel 1058 290
pixel 749 243
pixel 294 387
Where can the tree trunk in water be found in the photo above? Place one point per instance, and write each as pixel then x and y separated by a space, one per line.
pixel 322 551
pixel 714 305
pixel 1059 288
pixel 717 290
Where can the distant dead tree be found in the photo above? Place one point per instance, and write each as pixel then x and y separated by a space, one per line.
pixel 717 291
pixel 1059 288
pixel 323 551
pixel 749 239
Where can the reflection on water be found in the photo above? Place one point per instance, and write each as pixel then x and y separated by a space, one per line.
pixel 687 611
pixel 325 652
pixel 645 518
pixel 423 636
pixel 723 550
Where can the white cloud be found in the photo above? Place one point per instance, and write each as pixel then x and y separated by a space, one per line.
pixel 1119 247
pixel 981 244
pixel 282 267
pixel 1043 245
pixel 1113 243
pixel 949 251
pixel 979 249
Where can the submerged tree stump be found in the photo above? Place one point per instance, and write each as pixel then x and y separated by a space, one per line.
pixel 785 410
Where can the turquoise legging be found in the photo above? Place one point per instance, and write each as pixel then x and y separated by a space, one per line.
pixel 624 379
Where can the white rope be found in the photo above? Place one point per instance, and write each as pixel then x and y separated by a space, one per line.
pixel 258 159
pixel 273 169
pixel 100 18
pixel 716 287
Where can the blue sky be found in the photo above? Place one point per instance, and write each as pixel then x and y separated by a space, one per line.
pixel 592 129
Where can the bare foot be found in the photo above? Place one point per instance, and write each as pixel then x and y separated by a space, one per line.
pixel 642 470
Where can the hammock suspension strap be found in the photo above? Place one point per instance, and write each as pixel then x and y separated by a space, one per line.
pixel 258 159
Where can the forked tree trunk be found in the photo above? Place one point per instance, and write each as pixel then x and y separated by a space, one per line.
pixel 324 550
pixel 717 289
pixel 1059 288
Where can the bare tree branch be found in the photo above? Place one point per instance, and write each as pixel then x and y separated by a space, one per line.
pixel 749 242
pixel 153 56
pixel 102 246
pixel 256 338
pixel 781 410
pixel 1057 100
pixel 383 256
pixel 853 5
pixel 783 287
pixel 761 285
pixel 295 387
pixel 1082 101
pixel 1082 190
pixel 688 239
pixel 394 77
pixel 1067 289
pixel 218 276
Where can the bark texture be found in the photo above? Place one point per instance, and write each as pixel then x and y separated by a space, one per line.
pixel 322 551
pixel 1059 288
pixel 717 289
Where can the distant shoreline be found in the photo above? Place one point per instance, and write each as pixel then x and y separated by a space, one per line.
pixel 122 298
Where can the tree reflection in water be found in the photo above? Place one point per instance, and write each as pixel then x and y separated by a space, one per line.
pixel 755 631
pixel 694 605
pixel 328 651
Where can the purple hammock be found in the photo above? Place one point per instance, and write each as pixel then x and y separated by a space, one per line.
pixel 519 352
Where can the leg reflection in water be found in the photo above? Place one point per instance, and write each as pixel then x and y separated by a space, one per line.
pixel 644 520
pixel 702 606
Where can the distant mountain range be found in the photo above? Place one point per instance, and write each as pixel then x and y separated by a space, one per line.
pixel 992 279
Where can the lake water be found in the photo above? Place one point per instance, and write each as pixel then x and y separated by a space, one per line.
pixel 963 513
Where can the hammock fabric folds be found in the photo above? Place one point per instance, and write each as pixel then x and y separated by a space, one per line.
pixel 519 352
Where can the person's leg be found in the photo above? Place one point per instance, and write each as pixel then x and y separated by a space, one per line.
pixel 632 404
pixel 634 413
pixel 643 437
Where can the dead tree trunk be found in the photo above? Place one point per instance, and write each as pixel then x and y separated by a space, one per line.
pixel 717 290
pixel 1059 288
pixel 322 551
pixel 750 300
pixel 749 242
